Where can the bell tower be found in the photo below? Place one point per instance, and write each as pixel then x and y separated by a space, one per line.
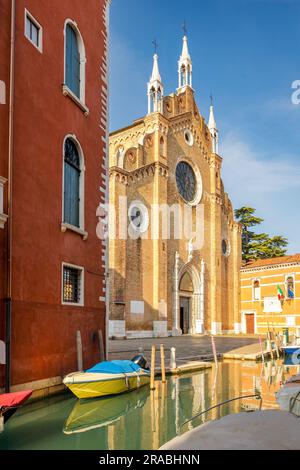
pixel 213 129
pixel 185 65
pixel 155 87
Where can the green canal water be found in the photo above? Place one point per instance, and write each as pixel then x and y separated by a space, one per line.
pixel 143 419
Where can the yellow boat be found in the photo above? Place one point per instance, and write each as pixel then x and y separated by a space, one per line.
pixel 88 415
pixel 109 378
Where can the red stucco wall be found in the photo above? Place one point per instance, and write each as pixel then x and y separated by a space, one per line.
pixel 4 76
pixel 44 331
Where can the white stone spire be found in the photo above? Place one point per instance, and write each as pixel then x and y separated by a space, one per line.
pixel 185 50
pixel 213 129
pixel 155 89
pixel 155 72
pixel 212 122
pixel 185 66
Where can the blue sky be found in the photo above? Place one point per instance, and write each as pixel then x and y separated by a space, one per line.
pixel 245 52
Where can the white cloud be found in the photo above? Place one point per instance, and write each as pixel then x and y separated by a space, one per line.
pixel 269 184
pixel 281 104
pixel 249 174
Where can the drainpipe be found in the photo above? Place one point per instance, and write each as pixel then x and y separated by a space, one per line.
pixel 9 202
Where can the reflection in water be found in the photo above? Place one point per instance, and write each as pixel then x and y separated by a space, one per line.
pixel 92 414
pixel 144 419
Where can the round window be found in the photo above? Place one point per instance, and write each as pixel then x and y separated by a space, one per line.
pixel 186 181
pixel 138 217
pixel 188 137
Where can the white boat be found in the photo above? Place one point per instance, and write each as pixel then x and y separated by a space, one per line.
pixel 287 396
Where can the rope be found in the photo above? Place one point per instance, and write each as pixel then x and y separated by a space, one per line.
pixel 258 396
pixel 127 382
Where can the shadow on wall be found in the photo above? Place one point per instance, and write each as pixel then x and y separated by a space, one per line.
pixel 126 311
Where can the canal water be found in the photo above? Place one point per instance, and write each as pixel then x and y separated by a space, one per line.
pixel 143 419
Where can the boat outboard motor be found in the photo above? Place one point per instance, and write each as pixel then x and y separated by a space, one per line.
pixel 141 361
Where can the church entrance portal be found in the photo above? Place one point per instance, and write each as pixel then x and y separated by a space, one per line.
pixel 186 291
pixel 185 314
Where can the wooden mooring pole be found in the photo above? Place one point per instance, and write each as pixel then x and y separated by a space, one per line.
pixel 162 361
pixel 152 372
pixel 101 346
pixel 79 351
pixel 276 343
pixel 261 349
pixel 173 359
pixel 213 344
pixel 270 343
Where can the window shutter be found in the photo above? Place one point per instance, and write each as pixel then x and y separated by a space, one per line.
pixel 72 185
pixel 74 197
pixel 72 61
pixel 67 194
pixel 68 64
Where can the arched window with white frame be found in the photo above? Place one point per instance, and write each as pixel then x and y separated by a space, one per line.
pixel 256 290
pixel 75 60
pixel 290 286
pixel 73 184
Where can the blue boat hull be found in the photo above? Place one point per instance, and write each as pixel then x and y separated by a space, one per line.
pixel 290 350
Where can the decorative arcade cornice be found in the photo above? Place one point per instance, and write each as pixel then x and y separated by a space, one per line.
pixel 129 177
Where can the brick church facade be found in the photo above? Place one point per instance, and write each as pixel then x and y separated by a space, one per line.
pixel 169 160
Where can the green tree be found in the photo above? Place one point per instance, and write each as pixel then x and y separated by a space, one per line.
pixel 258 245
pixel 246 217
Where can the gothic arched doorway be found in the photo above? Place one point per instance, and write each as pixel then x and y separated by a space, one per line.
pixel 186 291
pixel 188 316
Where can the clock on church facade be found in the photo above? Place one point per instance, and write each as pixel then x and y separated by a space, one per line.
pixel 163 281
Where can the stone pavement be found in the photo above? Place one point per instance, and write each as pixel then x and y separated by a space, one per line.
pixel 251 352
pixel 260 430
pixel 187 347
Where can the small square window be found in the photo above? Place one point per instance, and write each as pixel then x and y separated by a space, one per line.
pixel 72 285
pixel 33 31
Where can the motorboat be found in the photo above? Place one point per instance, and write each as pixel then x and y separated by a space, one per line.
pixel 291 349
pixel 10 403
pixel 109 378
pixel 88 415
pixel 288 395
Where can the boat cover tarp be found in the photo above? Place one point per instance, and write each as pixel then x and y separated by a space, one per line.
pixel 12 400
pixel 115 367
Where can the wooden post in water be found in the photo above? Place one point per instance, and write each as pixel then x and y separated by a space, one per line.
pixel 79 351
pixel 270 342
pixel 276 342
pixel 101 346
pixel 173 359
pixel 162 361
pixel 152 376
pixel 261 349
pixel 213 344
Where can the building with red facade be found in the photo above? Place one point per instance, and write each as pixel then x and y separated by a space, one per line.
pixel 53 133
